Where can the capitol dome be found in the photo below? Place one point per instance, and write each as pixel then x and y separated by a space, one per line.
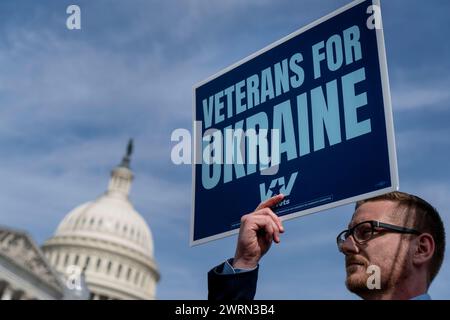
pixel 109 241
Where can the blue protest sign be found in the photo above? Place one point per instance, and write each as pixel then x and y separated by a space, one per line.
pixel 308 116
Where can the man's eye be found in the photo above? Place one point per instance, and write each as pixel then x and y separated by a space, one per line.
pixel 365 231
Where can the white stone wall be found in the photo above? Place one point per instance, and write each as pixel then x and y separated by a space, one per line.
pixel 116 274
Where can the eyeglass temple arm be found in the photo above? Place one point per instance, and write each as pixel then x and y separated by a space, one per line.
pixel 379 224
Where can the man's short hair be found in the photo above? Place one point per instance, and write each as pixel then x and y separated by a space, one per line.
pixel 427 220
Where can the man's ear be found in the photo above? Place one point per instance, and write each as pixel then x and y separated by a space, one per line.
pixel 424 249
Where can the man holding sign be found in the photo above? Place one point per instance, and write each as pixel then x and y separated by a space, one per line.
pixel 399 236
pixel 323 92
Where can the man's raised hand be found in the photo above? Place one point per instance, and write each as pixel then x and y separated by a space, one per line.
pixel 256 233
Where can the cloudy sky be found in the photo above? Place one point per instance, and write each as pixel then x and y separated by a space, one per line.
pixel 69 101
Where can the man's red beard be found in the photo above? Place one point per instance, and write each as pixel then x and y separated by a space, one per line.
pixel 356 268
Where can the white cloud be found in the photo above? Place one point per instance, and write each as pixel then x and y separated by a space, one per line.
pixel 413 140
pixel 420 97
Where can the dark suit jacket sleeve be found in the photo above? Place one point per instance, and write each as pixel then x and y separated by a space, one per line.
pixel 238 286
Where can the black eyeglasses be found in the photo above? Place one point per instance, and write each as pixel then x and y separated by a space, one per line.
pixel 364 231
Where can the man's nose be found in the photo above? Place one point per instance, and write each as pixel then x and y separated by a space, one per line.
pixel 350 246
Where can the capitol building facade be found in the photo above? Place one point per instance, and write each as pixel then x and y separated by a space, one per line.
pixel 101 250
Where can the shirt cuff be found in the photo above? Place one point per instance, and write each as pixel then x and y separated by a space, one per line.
pixel 228 268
